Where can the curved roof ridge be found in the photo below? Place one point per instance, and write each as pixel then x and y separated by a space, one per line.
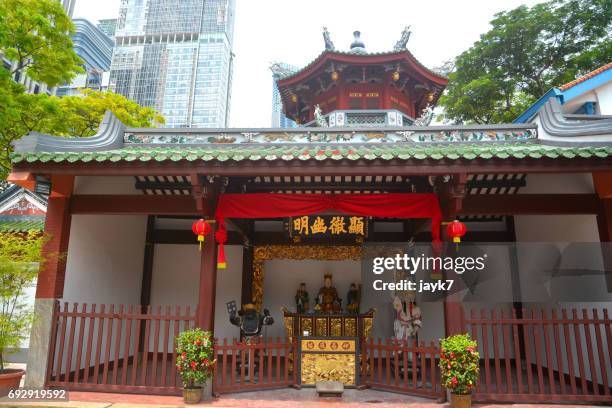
pixel 585 77
pixel 331 53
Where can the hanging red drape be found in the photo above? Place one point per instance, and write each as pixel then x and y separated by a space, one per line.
pixel 272 205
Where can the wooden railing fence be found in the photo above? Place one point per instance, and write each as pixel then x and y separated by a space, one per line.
pixel 526 355
pixel 539 355
pixel 259 364
pixel 401 366
pixel 116 348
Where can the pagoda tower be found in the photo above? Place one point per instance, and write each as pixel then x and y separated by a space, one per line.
pixel 358 88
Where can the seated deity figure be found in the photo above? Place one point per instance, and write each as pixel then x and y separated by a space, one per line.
pixel 328 296
pixel 353 298
pixel 302 299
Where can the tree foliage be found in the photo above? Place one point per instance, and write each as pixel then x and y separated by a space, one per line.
pixel 20 258
pixel 78 115
pixel 81 115
pixel 36 35
pixel 525 53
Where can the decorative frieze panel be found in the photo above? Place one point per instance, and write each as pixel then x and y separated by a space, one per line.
pixel 330 136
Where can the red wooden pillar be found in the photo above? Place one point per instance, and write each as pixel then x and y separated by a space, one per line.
pixel 604 224
pixel 208 283
pixel 451 201
pixel 603 187
pixel 453 315
pixel 57 232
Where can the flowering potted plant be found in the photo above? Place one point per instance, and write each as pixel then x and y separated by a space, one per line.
pixel 195 362
pixel 459 366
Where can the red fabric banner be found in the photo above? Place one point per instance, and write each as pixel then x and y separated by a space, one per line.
pixel 272 205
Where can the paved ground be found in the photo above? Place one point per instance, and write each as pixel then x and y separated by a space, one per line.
pixel 286 398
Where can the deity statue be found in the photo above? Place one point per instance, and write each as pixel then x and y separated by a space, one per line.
pixel 353 298
pixel 250 321
pixel 407 319
pixel 328 296
pixel 302 299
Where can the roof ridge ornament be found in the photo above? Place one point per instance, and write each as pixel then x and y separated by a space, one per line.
pixel 400 45
pixel 319 118
pixel 329 45
pixel 357 46
pixel 426 116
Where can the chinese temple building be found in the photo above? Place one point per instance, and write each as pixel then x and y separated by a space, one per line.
pixel 21 210
pixel 360 88
pixel 292 214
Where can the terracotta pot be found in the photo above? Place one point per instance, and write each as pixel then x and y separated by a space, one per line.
pixel 10 379
pixel 461 401
pixel 192 395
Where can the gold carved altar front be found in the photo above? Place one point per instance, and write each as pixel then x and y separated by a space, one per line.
pixel 328 324
pixel 327 359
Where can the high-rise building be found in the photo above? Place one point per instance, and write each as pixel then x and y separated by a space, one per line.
pixel 69 6
pixel 176 56
pixel 96 50
pixel 108 26
pixel 279 119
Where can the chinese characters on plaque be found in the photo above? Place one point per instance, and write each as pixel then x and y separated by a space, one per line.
pixel 327 226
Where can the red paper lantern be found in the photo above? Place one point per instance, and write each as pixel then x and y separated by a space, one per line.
pixel 201 228
pixel 456 230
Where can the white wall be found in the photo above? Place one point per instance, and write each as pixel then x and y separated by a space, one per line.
pixel 104 266
pixel 176 275
pixel 601 95
pixel 557 228
pixel 604 98
pixel 569 183
pixel 105 255
pixel 561 230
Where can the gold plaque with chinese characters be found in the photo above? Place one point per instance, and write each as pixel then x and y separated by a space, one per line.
pixel 313 227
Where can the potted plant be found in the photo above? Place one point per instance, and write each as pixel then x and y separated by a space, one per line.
pixel 195 362
pixel 20 258
pixel 459 366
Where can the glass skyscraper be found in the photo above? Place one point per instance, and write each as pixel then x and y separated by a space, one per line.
pixel 108 26
pixel 176 56
pixel 69 6
pixel 95 49
pixel 279 120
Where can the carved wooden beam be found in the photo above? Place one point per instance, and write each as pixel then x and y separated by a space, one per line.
pixel 452 193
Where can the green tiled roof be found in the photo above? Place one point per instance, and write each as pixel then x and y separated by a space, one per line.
pixel 406 151
pixel 22 225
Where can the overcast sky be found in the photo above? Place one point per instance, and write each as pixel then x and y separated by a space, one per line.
pixel 290 31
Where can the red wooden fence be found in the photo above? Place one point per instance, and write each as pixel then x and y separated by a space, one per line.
pixel 539 355
pixel 262 364
pixel 116 348
pixel 401 367
pixel 527 355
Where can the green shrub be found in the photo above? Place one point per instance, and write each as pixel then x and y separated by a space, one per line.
pixel 195 357
pixel 20 259
pixel 459 363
